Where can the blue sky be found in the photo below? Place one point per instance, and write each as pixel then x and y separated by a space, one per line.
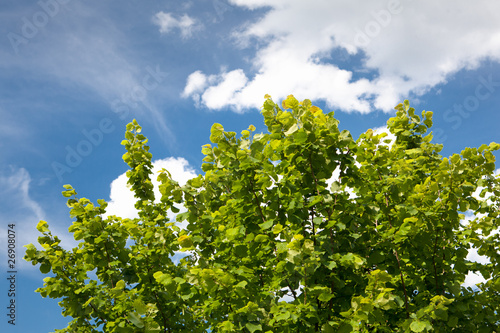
pixel 73 73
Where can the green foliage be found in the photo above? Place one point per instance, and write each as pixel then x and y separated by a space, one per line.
pixel 274 248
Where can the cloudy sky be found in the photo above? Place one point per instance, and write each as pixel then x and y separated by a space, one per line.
pixel 73 73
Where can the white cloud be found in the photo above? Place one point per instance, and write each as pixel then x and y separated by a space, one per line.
pixel 16 188
pixel 122 198
pixel 25 213
pixel 217 96
pixel 167 22
pixel 91 59
pixel 472 279
pixel 196 82
pixel 474 256
pixel 410 46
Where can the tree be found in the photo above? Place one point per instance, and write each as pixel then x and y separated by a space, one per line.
pixel 275 244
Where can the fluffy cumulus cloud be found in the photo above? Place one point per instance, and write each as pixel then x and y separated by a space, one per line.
pixel 122 198
pixel 406 47
pixel 167 23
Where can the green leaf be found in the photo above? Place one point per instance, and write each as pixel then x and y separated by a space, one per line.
pixel 30 250
pixel 206 149
pixel 452 321
pixel 45 268
pixel 261 238
pixel 227 326
pixel 345 328
pixel 290 103
pixel 241 250
pixel 300 136
pixel 494 146
pixel 241 284
pixel 232 232
pixel 277 228
pixel 410 220
pixel 252 327
pixel 331 264
pixel 345 136
pixel 162 278
pixel 317 220
pixel 283 316
pixel 216 133
pixel 120 285
pixel 135 319
pixel 335 187
pixel 42 226
pixel 139 306
pixel 266 225
pixel 441 314
pixel 294 128
pixel 325 297
pixel 406 105
pixel 418 326
pixel 327 328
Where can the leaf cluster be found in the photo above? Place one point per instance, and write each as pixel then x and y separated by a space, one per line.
pixel 300 229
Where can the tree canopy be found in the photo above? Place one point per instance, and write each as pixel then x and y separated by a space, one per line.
pixel 299 229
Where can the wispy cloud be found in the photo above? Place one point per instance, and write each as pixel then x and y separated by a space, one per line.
pixel 24 213
pixel 76 52
pixel 167 23
pixel 14 187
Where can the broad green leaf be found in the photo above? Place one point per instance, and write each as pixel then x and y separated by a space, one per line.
pixel 325 297
pixel 135 319
pixel 266 225
pixel 42 226
pixel 277 228
pixel 407 105
pixel 345 328
pixel 216 133
pixel 327 328
pixel 291 102
pixel 44 268
pixel 300 137
pixel 252 327
pixel 139 306
pixel 294 128
pixel 261 238
pixel 418 326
